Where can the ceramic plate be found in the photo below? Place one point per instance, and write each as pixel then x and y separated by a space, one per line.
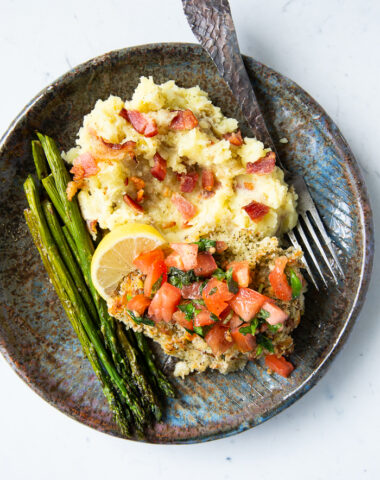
pixel 36 337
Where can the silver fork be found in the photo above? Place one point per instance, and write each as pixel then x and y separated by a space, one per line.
pixel 212 24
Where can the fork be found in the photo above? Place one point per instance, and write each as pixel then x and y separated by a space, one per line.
pixel 212 24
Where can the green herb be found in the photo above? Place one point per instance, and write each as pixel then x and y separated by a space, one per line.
pixel 295 283
pixel 233 287
pixel 245 330
pixel 261 288
pixel 264 342
pixel 203 286
pixel 255 325
pixel 139 320
pixel 214 317
pixel 199 331
pixel 263 314
pixel 178 278
pixel 219 274
pixel 205 244
pixel 157 284
pixel 273 328
pixel 212 291
pixel 129 297
pixel 189 310
pixel 200 301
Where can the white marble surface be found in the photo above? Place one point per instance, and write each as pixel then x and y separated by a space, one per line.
pixel 331 48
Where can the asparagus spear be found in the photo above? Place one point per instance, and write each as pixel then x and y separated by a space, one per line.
pixel 73 293
pixel 39 160
pixel 121 414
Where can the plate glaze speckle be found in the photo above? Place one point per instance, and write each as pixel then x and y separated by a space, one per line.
pixel 36 337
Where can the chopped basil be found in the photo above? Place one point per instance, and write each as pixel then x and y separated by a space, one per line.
pixel 219 274
pixel 157 284
pixel 178 278
pixel 233 287
pixel 212 291
pixel 295 283
pixel 139 320
pixel 203 286
pixel 255 323
pixel 200 301
pixel 263 314
pixel 264 342
pixel 214 317
pixel 199 331
pixel 273 328
pixel 245 330
pixel 205 244
pixel 189 310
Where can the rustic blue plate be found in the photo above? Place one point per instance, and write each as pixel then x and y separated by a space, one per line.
pixel 37 339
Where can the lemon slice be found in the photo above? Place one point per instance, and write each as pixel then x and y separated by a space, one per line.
pixel 114 255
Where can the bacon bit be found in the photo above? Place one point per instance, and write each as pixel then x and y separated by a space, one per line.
pixel 248 186
pixel 71 190
pixel 185 208
pixel 140 196
pixel 138 182
pixel 184 120
pixel 126 181
pixel 91 225
pixel 187 181
pixel 256 210
pixel 159 169
pixel 132 203
pixel 84 166
pixel 141 122
pixel 106 151
pixel 220 246
pixel 127 146
pixel 168 225
pixel 234 138
pixel 263 165
pixel 187 225
pixel 208 180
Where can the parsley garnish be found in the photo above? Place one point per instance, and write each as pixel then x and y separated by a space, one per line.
pixel 295 283
pixel 264 343
pixel 189 310
pixel 233 287
pixel 139 320
pixel 255 323
pixel 205 244
pixel 219 274
pixel 178 278
pixel 273 328
pixel 199 331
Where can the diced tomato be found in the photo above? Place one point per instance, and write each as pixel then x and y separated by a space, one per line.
pixel 206 265
pixel 235 322
pixel 220 246
pixel 180 318
pixel 141 122
pixel 240 273
pixel 247 303
pixel 234 138
pixel 278 280
pixel 138 304
pixel 132 203
pixel 159 168
pixel 156 270
pixel 164 303
pixel 226 312
pixel 188 253
pixel 216 340
pixel 208 180
pixel 192 291
pixel 276 315
pixel 203 318
pixel 256 210
pixel 184 120
pixel 84 166
pixel 245 343
pixel 145 259
pixel 174 260
pixel 216 295
pixel 188 181
pixel 279 365
pixel 185 208
pixel 263 165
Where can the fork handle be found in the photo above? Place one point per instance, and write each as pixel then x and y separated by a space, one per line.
pixel 212 24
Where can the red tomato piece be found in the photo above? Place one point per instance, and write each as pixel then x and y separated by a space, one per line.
pixel 188 181
pixel 216 295
pixel 188 253
pixel 279 365
pixel 203 318
pixel 174 260
pixel 235 322
pixel 192 291
pixel 208 180
pixel 247 303
pixel 145 260
pixel 245 343
pixel 185 208
pixel 159 168
pixel 234 138
pixel 132 203
pixel 141 122
pixel 240 273
pixel 206 265
pixel 256 210
pixel 184 120
pixel 216 340
pixel 138 304
pixel 156 270
pixel 278 280
pixel 180 318
pixel 164 303
pixel 263 165
pixel 276 315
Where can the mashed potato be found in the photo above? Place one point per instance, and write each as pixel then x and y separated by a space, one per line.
pixel 202 147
